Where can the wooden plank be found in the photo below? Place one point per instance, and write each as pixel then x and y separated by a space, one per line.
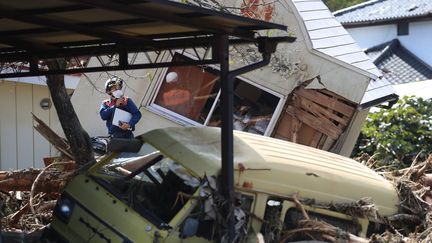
pixel 306 134
pixel 320 111
pixel 321 125
pixel 295 127
pixel 316 139
pixel 41 145
pixel 24 131
pixel 326 101
pixel 328 144
pixel 283 128
pixel 8 140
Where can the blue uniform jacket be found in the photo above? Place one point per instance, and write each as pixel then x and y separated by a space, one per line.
pixel 107 112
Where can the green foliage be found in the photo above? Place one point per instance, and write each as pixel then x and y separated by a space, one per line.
pixel 334 5
pixel 396 136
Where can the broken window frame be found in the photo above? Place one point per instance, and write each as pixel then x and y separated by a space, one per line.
pixel 106 179
pixel 183 120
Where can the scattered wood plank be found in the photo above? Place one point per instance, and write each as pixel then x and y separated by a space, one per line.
pixel 326 101
pixel 323 126
pixel 319 110
pixel 58 142
pixel 22 180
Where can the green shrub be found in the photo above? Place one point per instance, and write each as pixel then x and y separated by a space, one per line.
pixel 396 136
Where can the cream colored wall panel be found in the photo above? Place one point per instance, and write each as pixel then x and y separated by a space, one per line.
pixel 8 142
pixel 41 145
pixel 24 131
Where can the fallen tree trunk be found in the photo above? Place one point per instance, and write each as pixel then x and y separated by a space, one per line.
pixel 78 138
pixel 22 180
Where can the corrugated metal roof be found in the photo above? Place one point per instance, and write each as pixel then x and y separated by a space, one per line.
pixel 384 10
pixel 278 166
pixel 329 37
pixel 398 64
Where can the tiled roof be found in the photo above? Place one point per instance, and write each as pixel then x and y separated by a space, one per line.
pixel 397 64
pixel 384 10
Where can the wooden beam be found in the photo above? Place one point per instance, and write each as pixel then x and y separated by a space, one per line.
pixel 326 101
pixel 319 110
pixel 322 125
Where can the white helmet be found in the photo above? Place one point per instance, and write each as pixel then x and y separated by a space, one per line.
pixel 114 81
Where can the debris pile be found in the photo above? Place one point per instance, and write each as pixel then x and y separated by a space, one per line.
pixel 28 197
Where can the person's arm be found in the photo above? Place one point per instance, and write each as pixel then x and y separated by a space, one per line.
pixel 136 114
pixel 106 112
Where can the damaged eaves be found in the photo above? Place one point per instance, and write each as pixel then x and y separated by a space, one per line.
pixel 314 117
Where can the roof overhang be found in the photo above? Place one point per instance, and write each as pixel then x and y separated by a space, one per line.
pixel 32 31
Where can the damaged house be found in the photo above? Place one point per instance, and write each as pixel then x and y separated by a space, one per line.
pixel 316 91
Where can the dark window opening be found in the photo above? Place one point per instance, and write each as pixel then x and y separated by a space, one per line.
pixel 272 225
pixel 403 28
pixel 206 225
pixel 148 182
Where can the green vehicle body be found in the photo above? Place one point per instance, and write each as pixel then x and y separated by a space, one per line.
pixel 97 206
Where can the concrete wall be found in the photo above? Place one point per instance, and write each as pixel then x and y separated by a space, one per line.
pixel 20 145
pixel 417 41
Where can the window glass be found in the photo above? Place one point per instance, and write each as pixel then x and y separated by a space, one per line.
pixel 192 92
pixel 148 182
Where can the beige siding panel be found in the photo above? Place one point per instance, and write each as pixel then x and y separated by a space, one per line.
pixel 325 33
pixel 353 57
pixel 333 41
pixel 316 14
pixel 321 24
pixel 308 5
pixel 367 65
pixel 340 50
pixel 8 143
pixel 41 145
pixel 24 130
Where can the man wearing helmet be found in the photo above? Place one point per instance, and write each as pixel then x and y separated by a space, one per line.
pixel 117 100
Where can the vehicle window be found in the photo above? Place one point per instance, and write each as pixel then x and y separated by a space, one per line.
pixel 151 183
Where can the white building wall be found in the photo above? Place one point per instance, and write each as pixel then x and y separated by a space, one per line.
pixel 371 36
pixel 417 41
pixel 20 145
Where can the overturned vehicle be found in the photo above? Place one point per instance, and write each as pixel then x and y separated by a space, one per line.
pixel 167 191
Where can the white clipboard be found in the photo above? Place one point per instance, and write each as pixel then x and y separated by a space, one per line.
pixel 121 116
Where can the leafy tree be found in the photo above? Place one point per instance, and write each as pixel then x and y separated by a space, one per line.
pixel 334 5
pixel 396 136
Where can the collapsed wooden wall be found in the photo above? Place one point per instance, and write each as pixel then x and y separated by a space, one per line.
pixel 314 117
